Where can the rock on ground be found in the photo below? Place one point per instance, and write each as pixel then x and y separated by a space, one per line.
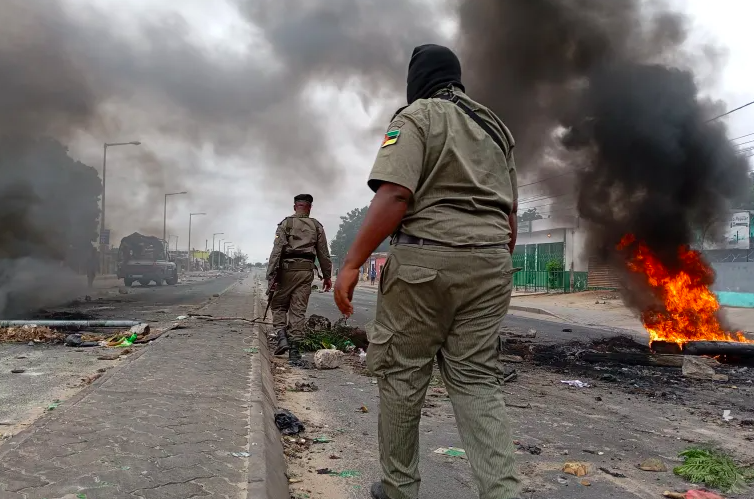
pixel 328 359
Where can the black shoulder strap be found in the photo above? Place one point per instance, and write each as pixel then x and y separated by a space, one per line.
pixel 474 116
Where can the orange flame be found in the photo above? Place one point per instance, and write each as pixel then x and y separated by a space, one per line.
pixel 690 307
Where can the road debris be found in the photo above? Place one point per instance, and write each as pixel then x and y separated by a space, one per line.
pixel 54 405
pixel 576 469
pixel 614 474
pixel 576 383
pixel 17 371
pixel 513 359
pixel 451 452
pixel 363 409
pixel 345 474
pixel 727 416
pixel 697 368
pixel 586 483
pixel 328 359
pixel 301 386
pixel 322 440
pixel 531 449
pixel 240 454
pixel 251 350
pixel 714 469
pixel 653 464
pixel 287 423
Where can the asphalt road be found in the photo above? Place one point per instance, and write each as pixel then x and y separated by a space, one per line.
pixel 365 303
pixel 143 302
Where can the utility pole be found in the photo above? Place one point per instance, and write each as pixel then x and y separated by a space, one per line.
pixel 190 251
pixel 212 259
pixel 165 212
pixel 102 245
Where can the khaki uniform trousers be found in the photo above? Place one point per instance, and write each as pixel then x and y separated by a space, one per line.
pixel 290 302
pixel 444 303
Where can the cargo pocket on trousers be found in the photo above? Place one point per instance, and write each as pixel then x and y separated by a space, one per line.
pixel 379 355
pixel 413 274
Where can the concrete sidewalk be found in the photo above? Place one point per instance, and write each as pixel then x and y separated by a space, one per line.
pixel 185 418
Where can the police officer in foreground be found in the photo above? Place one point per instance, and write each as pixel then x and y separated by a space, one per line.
pixel 446 189
pixel 299 241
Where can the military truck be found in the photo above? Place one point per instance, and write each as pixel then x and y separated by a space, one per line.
pixel 145 259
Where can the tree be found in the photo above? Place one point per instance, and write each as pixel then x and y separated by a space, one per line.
pixel 529 215
pixel 346 235
pixel 217 258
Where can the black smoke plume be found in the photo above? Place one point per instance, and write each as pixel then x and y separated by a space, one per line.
pixel 608 91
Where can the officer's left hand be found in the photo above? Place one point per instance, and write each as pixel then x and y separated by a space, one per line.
pixel 326 285
pixel 344 286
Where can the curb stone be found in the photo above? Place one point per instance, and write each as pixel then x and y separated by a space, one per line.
pixel 267 467
pixel 534 310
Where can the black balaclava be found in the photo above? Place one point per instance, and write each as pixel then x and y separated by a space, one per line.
pixel 432 67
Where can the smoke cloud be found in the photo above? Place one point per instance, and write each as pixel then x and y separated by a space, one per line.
pixel 222 116
pixel 617 80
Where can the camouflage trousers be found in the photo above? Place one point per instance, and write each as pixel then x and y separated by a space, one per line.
pixel 290 302
pixel 445 304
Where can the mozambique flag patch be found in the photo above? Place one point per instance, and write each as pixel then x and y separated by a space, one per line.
pixel 391 138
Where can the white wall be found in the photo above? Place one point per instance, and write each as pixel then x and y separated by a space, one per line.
pixel 574 238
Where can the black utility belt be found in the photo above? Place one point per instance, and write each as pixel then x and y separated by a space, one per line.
pixel 311 258
pixel 401 238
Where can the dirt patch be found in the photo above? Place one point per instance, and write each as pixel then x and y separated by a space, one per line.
pixel 317 448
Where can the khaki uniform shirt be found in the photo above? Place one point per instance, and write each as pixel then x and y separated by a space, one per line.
pixel 463 185
pixel 305 237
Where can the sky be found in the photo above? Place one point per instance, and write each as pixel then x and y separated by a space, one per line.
pixel 243 195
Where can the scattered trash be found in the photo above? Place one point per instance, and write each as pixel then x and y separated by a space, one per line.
pixel 324 471
pixel 88 380
pixel 76 340
pixel 614 474
pixel 334 456
pixel 216 295
pixel 531 449
pixel 251 350
pixel 139 329
pixel 653 464
pixel 29 333
pixel 80 496
pixel 567 330
pixel 345 474
pixel 562 480
pixel 593 452
pixel 451 452
pixel 287 423
pixel 510 376
pixel 362 356
pixel 322 440
pixel 518 406
pixel 363 409
pixel 576 469
pixel 17 371
pixel 674 495
pixel 702 494
pixel 55 404
pixel 576 383
pixel 295 480
pixel 328 359
pixel 697 368
pixel 240 454
pixel 304 387
pixel 123 341
pixel 727 416
pixel 182 317
pixel 586 483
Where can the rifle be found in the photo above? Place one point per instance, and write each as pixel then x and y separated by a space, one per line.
pixel 273 285
pixel 270 295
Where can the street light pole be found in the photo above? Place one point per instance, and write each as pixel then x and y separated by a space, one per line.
pixel 104 191
pixel 212 260
pixel 165 212
pixel 190 251
pixel 219 246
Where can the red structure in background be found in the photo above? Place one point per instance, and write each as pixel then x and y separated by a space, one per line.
pixel 377 262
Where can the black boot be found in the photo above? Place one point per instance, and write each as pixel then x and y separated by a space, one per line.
pixel 283 345
pixel 378 492
pixel 294 355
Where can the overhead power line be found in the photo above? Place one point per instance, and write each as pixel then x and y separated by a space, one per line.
pixel 730 112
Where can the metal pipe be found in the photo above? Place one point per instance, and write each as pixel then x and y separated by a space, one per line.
pixel 52 324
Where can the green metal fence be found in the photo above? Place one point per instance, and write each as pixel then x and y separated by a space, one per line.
pixel 543 270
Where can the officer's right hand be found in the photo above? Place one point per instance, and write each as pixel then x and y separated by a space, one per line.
pixel 344 286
